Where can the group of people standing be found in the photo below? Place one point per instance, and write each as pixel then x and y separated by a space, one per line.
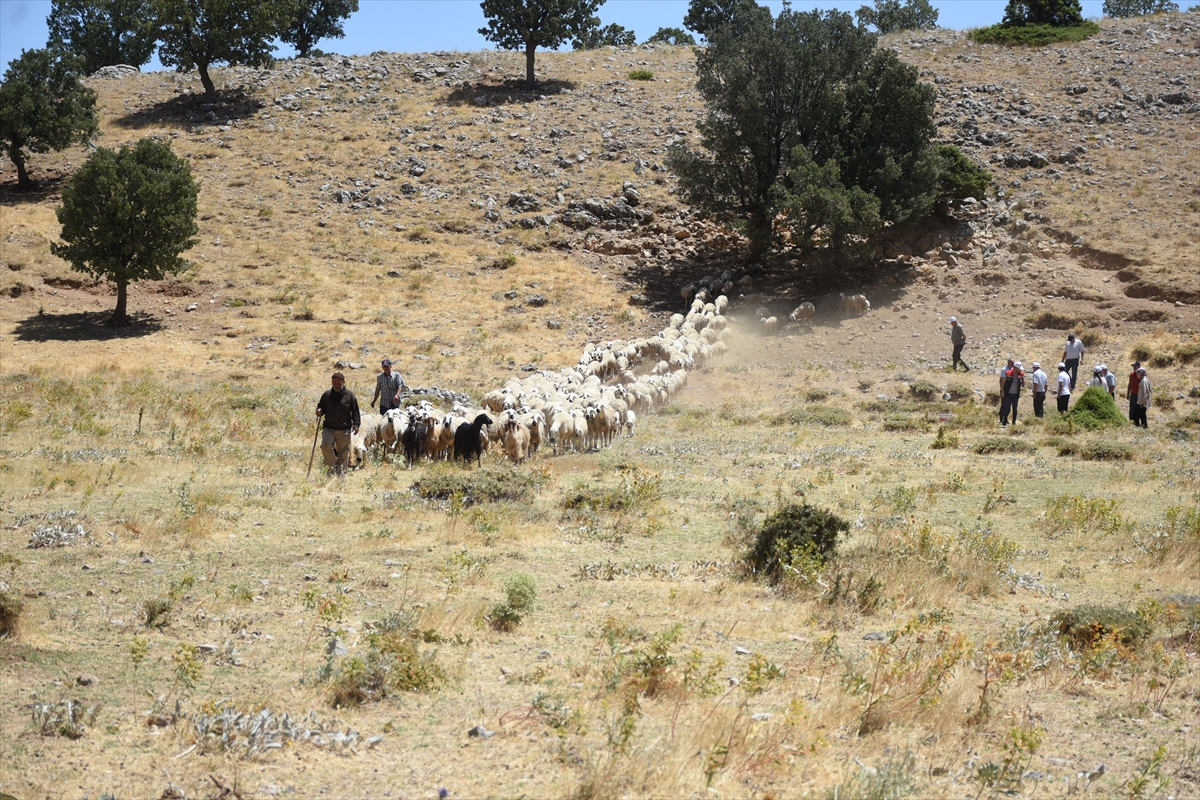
pixel 1012 380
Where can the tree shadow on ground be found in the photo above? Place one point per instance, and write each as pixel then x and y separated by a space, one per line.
pixel 83 327
pixel 497 92
pixel 184 110
pixel 45 187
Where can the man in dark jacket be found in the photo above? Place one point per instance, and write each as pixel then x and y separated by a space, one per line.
pixel 339 407
pixel 1011 381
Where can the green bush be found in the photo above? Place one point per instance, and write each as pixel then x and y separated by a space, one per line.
pixel 1095 409
pixel 1033 35
pixel 520 594
pixel 899 422
pixel 924 391
pixel 1161 360
pixel 1098 451
pixel 392 664
pixel 945 440
pixel 814 415
pixel 641 75
pixel 960 392
pixel 10 614
pixel 1086 626
pixel 1002 444
pixel 486 485
pixel 1141 352
pixel 816 395
pixel 793 541
pixel 1187 353
pixel 961 177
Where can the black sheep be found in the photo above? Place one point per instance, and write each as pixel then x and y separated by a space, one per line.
pixel 414 440
pixel 466 440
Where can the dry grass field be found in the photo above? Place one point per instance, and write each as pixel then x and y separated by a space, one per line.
pixel 213 623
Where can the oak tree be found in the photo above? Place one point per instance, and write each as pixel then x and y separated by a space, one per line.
pixel 126 216
pixel 306 22
pixel 530 24
pixel 103 32
pixel 44 107
pixel 200 34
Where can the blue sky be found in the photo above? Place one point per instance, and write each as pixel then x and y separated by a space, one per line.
pixel 429 25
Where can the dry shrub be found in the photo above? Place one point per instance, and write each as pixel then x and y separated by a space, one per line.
pixel 1086 626
pixel 1002 444
pixel 10 614
pixel 392 664
pixel 1060 320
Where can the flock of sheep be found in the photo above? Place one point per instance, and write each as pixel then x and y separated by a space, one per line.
pixel 581 407
pixel 578 408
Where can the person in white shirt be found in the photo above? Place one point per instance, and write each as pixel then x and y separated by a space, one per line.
pixel 1072 353
pixel 1039 381
pixel 1110 381
pixel 1064 388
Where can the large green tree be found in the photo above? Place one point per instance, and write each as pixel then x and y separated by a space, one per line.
pixel 127 215
pixel 705 16
pixel 769 86
pixel 44 107
pixel 306 22
pixel 103 32
pixel 887 16
pixel 613 35
pixel 1138 8
pixel 672 36
pixel 530 24
pixel 199 34
pixel 1057 13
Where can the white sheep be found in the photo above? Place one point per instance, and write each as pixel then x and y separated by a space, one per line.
pixel 804 311
pixel 855 302
pixel 770 325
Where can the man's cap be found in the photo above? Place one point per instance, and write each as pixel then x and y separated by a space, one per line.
pixel 1061 365
pixel 1036 365
pixel 954 319
pixel 387 362
pixel 1137 363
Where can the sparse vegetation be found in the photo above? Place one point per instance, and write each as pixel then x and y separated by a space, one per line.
pixel 10 614
pixel 1087 626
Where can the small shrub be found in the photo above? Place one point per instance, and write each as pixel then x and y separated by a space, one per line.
pixel 1098 451
pixel 520 590
pixel 641 75
pixel 1187 353
pixel 924 391
pixel 486 485
pixel 1059 321
pixel 816 395
pixel 636 492
pixel 1029 35
pixel 1092 337
pixel 157 612
pixel 1086 626
pixel 1095 409
pixel 904 423
pixel 827 416
pixel 945 440
pixel 960 392
pixel 1002 444
pixel 1141 352
pixel 10 614
pixel 392 664
pixel 961 177
pixel 794 541
pixel 69 718
pixel 1162 360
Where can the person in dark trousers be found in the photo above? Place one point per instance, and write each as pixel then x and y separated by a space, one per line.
pixel 1071 356
pixel 388 385
pixel 1038 382
pixel 958 338
pixel 1011 381
pixel 339 407
pixel 1131 391
pixel 1143 398
pixel 1063 384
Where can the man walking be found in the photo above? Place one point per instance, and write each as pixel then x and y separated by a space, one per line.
pixel 1011 382
pixel 958 338
pixel 1039 381
pixel 1131 391
pixel 339 407
pixel 1143 398
pixel 388 385
pixel 1072 353
pixel 1064 388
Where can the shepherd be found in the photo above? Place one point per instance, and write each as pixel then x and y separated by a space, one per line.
pixel 339 407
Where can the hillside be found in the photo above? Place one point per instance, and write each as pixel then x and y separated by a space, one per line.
pixel 426 208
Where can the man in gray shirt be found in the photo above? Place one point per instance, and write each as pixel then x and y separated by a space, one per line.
pixel 958 338
pixel 387 388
